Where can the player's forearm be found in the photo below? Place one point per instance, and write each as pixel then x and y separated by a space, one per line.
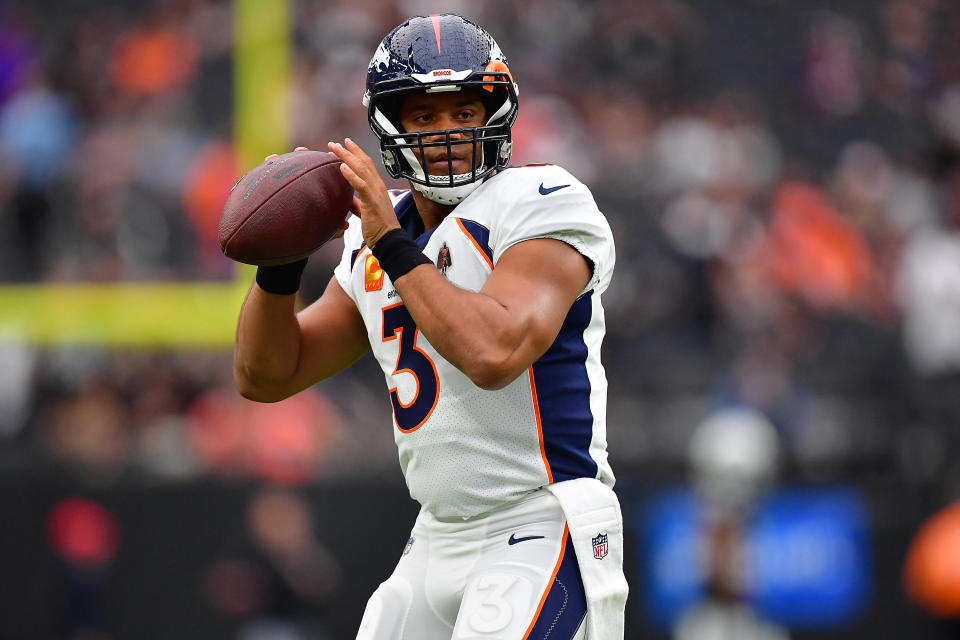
pixel 267 348
pixel 472 331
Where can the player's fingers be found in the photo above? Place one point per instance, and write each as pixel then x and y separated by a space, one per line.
pixel 355 161
pixel 270 157
pixel 301 149
pixel 359 185
pixel 338 149
pixel 362 176
pixel 341 152
pixel 362 157
pixel 356 174
pixel 364 166
pixel 355 149
pixel 354 207
pixel 359 161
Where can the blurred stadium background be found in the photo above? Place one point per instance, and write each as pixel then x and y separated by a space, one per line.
pixel 783 180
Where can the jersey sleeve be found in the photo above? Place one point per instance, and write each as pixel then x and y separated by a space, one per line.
pixel 352 245
pixel 568 214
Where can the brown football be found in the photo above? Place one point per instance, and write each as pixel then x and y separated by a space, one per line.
pixel 285 209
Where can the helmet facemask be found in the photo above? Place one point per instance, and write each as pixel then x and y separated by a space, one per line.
pixel 491 143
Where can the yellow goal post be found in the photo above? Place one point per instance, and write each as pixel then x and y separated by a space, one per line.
pixel 174 314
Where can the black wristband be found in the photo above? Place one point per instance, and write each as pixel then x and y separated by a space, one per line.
pixel 282 279
pixel 398 254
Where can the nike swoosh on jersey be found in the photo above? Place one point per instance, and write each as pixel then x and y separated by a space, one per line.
pixel 548 190
pixel 514 539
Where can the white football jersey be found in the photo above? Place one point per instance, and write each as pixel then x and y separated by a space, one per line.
pixel 465 450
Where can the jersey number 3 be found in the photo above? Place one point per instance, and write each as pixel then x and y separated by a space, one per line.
pixel 397 322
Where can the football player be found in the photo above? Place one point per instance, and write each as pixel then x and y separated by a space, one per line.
pixel 478 290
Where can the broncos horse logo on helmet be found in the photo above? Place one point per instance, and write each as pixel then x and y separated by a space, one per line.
pixel 432 54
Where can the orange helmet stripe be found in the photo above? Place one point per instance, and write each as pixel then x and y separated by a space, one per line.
pixel 435 19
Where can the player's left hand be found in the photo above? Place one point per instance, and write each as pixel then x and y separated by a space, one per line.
pixel 372 202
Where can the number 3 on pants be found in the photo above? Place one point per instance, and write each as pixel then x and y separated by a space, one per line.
pixel 397 322
pixel 490 607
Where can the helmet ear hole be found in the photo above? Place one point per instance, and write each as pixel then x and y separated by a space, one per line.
pixel 387 160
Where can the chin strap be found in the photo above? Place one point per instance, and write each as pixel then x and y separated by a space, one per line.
pixel 447 195
pixel 441 194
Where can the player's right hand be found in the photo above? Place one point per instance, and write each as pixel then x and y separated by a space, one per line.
pixel 372 202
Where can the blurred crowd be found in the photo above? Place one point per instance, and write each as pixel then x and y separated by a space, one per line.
pixel 782 178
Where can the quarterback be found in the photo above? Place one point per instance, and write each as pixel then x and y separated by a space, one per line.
pixel 478 291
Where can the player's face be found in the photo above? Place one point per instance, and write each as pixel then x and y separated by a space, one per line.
pixel 440 111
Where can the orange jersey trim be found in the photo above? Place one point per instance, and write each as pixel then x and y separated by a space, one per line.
pixel 553 577
pixel 357 256
pixel 536 412
pixel 473 241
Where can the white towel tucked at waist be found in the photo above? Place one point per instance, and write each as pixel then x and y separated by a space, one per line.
pixel 593 511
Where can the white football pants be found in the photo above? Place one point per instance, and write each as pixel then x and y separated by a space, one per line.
pixel 511 574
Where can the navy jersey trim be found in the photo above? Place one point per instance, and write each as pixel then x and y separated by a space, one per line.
pixel 410 220
pixel 480 236
pixel 563 398
pixel 355 253
pixel 408 216
pixel 424 238
pixel 566 603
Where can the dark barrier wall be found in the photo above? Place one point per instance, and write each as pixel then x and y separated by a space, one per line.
pixel 182 548
pixel 189 562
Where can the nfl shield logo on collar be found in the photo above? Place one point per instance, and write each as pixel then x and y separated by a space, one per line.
pixel 600 546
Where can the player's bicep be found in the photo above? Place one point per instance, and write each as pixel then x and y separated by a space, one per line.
pixel 538 281
pixel 332 335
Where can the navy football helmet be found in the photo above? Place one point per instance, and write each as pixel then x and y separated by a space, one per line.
pixel 432 54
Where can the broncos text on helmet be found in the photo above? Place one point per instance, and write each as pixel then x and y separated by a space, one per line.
pixel 432 54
